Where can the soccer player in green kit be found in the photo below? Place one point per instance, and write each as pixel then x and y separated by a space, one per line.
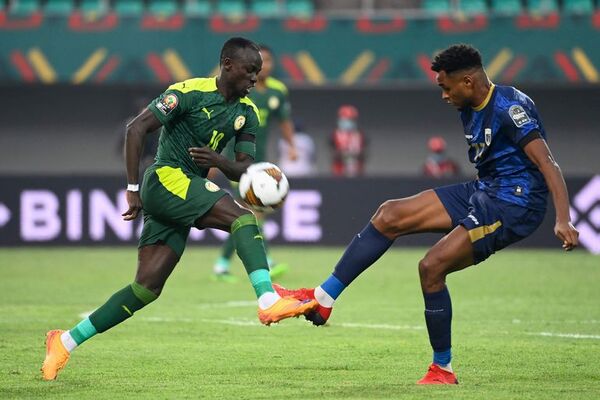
pixel 198 117
pixel 271 98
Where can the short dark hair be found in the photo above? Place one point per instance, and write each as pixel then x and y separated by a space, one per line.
pixel 233 45
pixel 456 58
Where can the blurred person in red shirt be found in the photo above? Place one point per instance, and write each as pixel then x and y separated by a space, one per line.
pixel 438 164
pixel 348 144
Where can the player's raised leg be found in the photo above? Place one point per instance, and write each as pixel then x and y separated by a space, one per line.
pixel 420 213
pixel 155 264
pixel 227 215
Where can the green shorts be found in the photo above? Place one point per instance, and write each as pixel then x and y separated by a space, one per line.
pixel 172 201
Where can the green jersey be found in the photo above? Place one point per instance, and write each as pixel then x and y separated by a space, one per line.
pixel 272 103
pixel 195 114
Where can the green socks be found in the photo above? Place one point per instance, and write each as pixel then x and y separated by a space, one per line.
pixel 250 248
pixel 117 309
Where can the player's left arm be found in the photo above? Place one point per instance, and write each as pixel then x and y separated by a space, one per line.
pixel 538 152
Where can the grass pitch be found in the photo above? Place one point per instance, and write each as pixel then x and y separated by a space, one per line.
pixel 526 326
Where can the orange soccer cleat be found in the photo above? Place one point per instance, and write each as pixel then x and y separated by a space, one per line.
pixel 437 376
pixel 56 355
pixel 286 307
pixel 319 316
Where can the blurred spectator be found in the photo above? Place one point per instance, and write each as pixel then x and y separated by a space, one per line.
pixel 151 144
pixel 304 164
pixel 438 164
pixel 348 144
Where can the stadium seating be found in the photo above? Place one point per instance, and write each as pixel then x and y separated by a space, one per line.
pixel 507 7
pixel 163 8
pixel 21 8
pixel 197 8
pixel 300 8
pixel 542 6
pixel 93 7
pixel 129 7
pixel 231 8
pixel 473 6
pixel 59 7
pixel 436 7
pixel 580 7
pixel 265 8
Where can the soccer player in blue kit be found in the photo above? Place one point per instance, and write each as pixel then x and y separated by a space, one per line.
pixel 506 203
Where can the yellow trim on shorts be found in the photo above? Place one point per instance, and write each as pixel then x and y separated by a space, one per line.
pixel 174 180
pixel 482 231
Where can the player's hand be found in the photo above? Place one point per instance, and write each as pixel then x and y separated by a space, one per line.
pixel 293 154
pixel 135 205
pixel 566 232
pixel 205 157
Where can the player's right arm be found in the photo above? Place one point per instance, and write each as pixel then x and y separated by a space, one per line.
pixel 137 130
pixel 538 152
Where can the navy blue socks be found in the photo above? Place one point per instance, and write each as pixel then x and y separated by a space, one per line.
pixel 438 316
pixel 363 251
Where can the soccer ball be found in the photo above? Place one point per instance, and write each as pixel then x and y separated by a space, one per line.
pixel 263 186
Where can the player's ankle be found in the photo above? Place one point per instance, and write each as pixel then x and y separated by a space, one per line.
pixel 221 266
pixel 323 298
pixel 267 299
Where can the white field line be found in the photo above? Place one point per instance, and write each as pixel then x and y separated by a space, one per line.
pixel 566 335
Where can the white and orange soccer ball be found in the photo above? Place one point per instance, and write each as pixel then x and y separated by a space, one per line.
pixel 264 186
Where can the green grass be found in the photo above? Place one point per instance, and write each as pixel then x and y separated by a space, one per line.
pixel 191 343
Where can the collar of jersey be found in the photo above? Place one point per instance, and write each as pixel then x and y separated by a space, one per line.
pixel 487 99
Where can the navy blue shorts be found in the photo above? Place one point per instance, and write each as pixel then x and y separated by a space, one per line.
pixel 493 224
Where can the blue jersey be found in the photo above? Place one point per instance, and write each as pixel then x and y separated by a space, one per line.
pixel 495 131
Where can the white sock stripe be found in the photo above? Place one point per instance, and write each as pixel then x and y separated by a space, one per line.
pixel 323 297
pixel 267 299
pixel 68 341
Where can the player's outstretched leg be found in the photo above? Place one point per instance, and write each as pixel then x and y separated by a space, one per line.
pixel 122 305
pixel 155 265
pixel 364 250
pixel 249 245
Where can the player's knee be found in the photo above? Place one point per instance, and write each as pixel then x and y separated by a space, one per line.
pixel 387 217
pixel 152 285
pixel 430 270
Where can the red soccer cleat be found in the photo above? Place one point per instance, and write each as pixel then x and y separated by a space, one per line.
pixel 319 316
pixel 437 376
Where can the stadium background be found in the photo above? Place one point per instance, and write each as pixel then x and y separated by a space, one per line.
pixel 526 321
pixel 72 71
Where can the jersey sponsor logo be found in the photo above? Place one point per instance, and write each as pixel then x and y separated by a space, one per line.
pixel 211 186
pixel 167 103
pixel 273 102
pixel 207 112
pixel 488 136
pixel 239 122
pixel 518 115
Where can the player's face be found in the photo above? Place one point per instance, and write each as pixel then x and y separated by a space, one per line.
pixel 267 65
pixel 242 71
pixel 457 88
